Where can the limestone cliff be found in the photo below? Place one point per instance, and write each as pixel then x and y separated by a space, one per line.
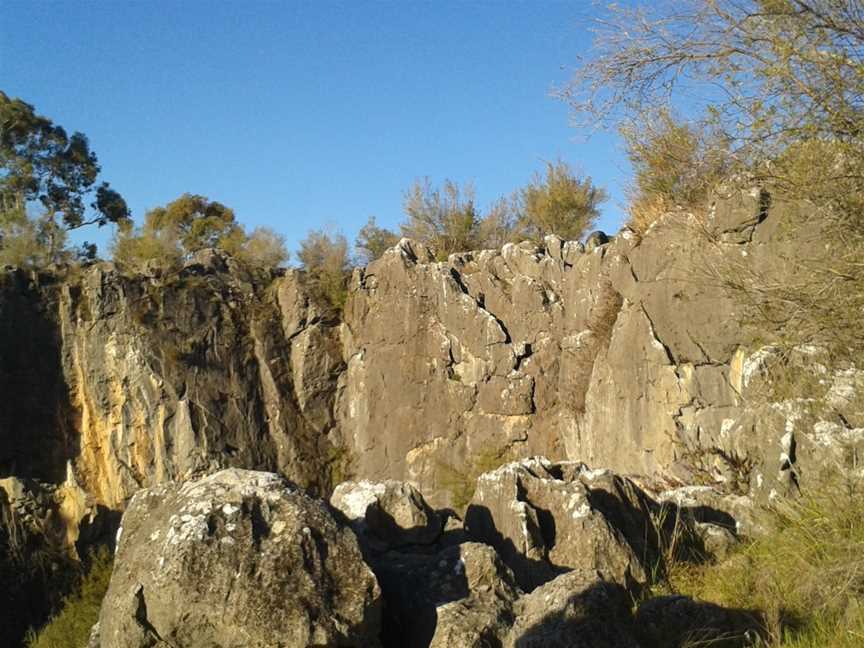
pixel 626 354
pixel 623 354
pixel 121 382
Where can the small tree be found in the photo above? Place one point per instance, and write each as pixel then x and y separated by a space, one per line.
pixel 561 203
pixel 325 259
pixel 372 241
pixel 264 248
pixel 676 164
pixel 501 224
pixel 22 243
pixel 178 230
pixel 199 223
pixel 445 219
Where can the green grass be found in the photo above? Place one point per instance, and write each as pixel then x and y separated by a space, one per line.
pixel 70 628
pixel 806 577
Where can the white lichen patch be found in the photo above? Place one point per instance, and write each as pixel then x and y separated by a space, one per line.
pixel 756 364
pixel 354 498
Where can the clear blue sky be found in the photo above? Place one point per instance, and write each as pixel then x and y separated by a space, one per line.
pixel 303 114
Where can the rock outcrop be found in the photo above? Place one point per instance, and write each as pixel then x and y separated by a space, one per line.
pixel 625 353
pixel 548 518
pixel 238 558
pixel 622 353
pixel 390 514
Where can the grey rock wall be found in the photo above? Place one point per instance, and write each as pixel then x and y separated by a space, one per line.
pixel 624 354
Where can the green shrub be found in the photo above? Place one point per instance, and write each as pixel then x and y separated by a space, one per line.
pixel 70 628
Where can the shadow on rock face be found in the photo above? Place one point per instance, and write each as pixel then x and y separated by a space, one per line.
pixel 35 412
pixel 530 570
pixel 413 587
pixel 679 621
pixel 561 614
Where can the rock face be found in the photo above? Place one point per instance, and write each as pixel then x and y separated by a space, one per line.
pixel 238 558
pixel 389 514
pixel 131 381
pixel 576 610
pixel 623 353
pixel 620 354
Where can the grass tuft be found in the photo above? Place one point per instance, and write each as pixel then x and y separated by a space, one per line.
pixel 70 628
pixel 806 577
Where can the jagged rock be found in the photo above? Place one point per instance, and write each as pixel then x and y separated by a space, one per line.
pixel 547 518
pixel 678 621
pixel 237 558
pixel 94 641
pixel 575 610
pixel 392 513
pixel 462 596
pixel 595 240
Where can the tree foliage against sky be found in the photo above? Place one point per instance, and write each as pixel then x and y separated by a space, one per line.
pixel 41 165
pixel 191 223
pixel 373 241
pixel 560 203
pixel 326 259
pixel 773 95
pixel 444 218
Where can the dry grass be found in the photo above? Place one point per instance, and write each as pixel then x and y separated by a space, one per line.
pixel 807 577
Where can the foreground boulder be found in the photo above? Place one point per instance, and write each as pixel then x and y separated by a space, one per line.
pixel 548 518
pixel 238 558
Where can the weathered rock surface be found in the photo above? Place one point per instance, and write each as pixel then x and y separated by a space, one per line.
pixel 238 558
pixel 576 610
pixel 388 514
pixel 131 381
pixel 622 354
pixel 616 354
pixel 546 518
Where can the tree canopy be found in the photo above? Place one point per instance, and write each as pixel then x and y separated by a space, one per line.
pixel 772 96
pixel 325 258
pixel 561 203
pixel 191 223
pixel 444 218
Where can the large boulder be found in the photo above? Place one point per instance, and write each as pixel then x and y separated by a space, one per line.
pixel 237 558
pixel 388 514
pixel 548 518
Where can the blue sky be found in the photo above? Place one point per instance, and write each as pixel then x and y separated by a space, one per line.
pixel 305 114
